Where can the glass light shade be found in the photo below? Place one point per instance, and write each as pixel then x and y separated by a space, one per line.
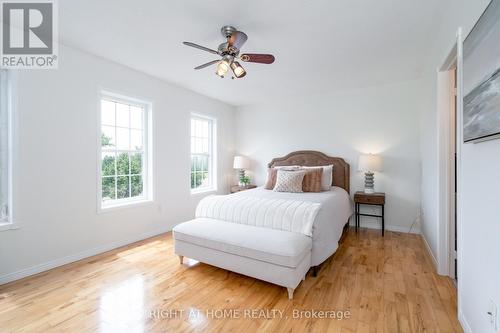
pixel 241 162
pixel 238 70
pixel 369 162
pixel 222 68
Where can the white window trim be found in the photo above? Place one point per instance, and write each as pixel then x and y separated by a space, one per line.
pixel 213 160
pixel 11 222
pixel 148 197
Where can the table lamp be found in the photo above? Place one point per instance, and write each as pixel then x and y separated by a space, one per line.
pixel 369 163
pixel 241 163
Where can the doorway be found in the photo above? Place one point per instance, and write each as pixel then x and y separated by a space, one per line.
pixel 449 132
pixel 452 181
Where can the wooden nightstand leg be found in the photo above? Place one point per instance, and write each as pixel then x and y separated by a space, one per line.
pixel 383 221
pixel 356 216
pixel 359 216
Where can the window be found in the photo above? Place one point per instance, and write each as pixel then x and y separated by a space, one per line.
pixel 203 165
pixel 5 147
pixel 125 168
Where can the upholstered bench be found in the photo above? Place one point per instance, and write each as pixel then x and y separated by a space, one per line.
pixel 275 256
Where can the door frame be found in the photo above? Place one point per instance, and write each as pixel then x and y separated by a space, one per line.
pixel 447 128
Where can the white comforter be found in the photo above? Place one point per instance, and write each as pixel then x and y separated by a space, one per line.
pixel 334 212
pixel 287 215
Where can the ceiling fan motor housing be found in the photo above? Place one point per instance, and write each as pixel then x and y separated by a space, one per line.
pixel 223 49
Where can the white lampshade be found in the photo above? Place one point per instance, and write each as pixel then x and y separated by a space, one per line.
pixel 241 162
pixel 369 162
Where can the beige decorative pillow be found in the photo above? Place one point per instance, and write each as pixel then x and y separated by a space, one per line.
pixel 271 178
pixel 326 179
pixel 289 181
pixel 272 173
pixel 312 180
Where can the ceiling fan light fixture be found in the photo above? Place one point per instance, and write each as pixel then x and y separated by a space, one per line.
pixel 222 68
pixel 238 70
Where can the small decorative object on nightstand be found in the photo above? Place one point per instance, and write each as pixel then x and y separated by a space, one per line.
pixel 369 163
pixel 241 163
pixel 374 199
pixel 238 188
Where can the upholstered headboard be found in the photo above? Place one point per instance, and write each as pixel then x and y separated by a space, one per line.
pixel 341 171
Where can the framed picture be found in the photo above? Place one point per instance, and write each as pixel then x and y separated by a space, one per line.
pixel 481 78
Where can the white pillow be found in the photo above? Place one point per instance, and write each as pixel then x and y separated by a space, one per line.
pixel 289 181
pixel 326 177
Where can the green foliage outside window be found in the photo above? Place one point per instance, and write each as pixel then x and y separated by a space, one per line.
pixel 106 141
pixel 122 174
pixel 197 179
pixel 199 170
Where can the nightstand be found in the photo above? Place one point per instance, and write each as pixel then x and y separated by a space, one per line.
pixel 373 199
pixel 237 188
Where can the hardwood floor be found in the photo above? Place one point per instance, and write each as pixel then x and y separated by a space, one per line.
pixel 386 285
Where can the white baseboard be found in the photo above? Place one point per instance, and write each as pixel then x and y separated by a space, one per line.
pixel 434 261
pixel 77 256
pixel 463 322
pixel 396 228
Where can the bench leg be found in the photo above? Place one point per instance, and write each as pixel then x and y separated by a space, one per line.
pixel 181 259
pixel 290 292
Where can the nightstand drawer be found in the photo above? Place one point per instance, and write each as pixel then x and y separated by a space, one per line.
pixel 369 199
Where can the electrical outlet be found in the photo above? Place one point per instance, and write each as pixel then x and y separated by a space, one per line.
pixel 492 313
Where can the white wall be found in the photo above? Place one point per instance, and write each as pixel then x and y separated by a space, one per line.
pixel 480 266
pixel 429 153
pixel 479 271
pixel 56 169
pixel 382 119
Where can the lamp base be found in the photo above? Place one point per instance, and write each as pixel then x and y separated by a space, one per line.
pixel 369 182
pixel 241 175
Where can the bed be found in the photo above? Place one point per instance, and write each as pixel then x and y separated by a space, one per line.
pixel 329 222
pixel 250 232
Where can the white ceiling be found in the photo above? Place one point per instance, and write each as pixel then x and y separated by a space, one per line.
pixel 321 45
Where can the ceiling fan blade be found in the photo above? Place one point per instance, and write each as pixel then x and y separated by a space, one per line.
pixel 207 64
pixel 258 58
pixel 237 39
pixel 200 47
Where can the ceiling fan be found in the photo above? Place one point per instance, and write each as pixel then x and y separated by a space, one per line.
pixel 230 52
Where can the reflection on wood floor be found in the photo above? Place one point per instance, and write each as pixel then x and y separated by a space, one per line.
pixel 380 284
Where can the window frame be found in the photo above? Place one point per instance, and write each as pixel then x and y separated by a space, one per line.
pixel 147 167
pixel 212 163
pixel 9 222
